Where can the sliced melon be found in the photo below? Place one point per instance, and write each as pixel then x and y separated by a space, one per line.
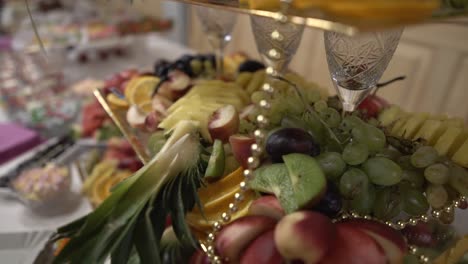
pixel 431 131
pixel 453 136
pixel 461 155
pixel 390 115
pixel 398 129
pixel 414 124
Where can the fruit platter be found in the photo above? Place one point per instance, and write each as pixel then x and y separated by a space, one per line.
pixel 248 162
pixel 378 185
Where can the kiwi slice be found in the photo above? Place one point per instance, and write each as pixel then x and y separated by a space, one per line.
pixel 309 183
pixel 274 179
pixel 216 163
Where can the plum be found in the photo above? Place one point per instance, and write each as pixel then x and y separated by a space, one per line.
pixel 290 140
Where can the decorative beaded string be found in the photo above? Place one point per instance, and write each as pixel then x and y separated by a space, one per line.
pixel 259 134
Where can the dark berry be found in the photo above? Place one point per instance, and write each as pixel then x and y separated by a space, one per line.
pixel 251 66
pixel 161 68
pixel 331 202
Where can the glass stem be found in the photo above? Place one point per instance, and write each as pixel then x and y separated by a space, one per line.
pixel 219 62
pixel 217 42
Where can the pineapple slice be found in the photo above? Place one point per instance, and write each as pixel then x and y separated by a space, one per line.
pixel 431 131
pixel 440 117
pixel 461 155
pixel 414 124
pixel 243 79
pixel 220 88
pixel 397 129
pixel 455 122
pixel 451 138
pixel 390 115
pixel 188 113
pixel 196 102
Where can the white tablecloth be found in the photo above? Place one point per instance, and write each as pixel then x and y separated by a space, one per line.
pixel 22 232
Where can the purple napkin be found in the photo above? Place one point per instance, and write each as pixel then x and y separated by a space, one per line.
pixel 15 140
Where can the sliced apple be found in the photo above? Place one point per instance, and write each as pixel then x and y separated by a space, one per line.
pixel 305 236
pixel 160 103
pixel 241 148
pixel 267 205
pixel 354 246
pixel 223 123
pixel 234 238
pixel 152 121
pixel 262 251
pixel 176 86
pixel 135 117
pixel 391 241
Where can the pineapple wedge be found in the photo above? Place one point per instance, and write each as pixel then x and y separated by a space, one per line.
pixel 461 155
pixel 188 113
pixel 390 115
pixel 413 125
pixel 455 122
pixel 431 131
pixel 398 129
pixel 450 139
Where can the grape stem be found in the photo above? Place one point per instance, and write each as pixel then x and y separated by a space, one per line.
pixel 309 108
pixel 383 84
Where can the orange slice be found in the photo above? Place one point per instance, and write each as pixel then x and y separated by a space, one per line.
pixel 146 107
pixel 143 90
pixel 220 203
pixel 115 101
pixel 212 189
pixel 130 86
pixel 198 222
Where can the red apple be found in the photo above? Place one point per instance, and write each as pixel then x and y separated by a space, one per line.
pixel 241 148
pixel 390 240
pixel 136 118
pixel 223 123
pixel 354 246
pixel 305 236
pixel 419 235
pixel 267 205
pixel 372 105
pixel 236 236
pixel 262 250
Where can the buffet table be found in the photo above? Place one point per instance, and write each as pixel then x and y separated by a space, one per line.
pixel 22 232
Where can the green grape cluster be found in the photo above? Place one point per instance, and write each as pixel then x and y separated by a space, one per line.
pixel 373 176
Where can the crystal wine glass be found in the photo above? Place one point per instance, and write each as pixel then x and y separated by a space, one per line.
pixel 357 63
pixel 218 25
pixel 277 42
